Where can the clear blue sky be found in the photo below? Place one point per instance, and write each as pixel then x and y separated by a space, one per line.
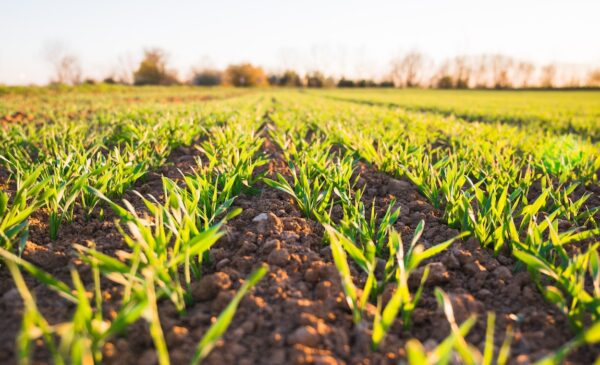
pixel 341 36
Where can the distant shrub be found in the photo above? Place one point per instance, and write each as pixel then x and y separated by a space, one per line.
pixel 291 79
pixel 245 75
pixel 362 83
pixel 445 82
pixel 317 79
pixel 345 83
pixel 464 84
pixel 207 77
pixel 365 83
pixel 386 83
pixel 153 70
pixel 273 79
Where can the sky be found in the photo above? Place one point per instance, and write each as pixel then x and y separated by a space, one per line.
pixel 342 37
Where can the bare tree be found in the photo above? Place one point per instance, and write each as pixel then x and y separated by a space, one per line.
pixel 500 67
pixel 496 71
pixel 321 58
pixel 442 78
pixel 462 72
pixel 593 78
pixel 291 59
pixel 573 81
pixel 153 69
pixel 407 70
pixel 523 74
pixel 481 71
pixel 124 69
pixel 548 76
pixel 66 66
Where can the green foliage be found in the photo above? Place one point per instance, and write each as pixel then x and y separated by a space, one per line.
pixel 513 174
pixel 398 269
pixel 13 214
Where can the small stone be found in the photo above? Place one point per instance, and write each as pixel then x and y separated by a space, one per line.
pixel 279 257
pixel 484 294
pixel 464 257
pixel 260 218
pixel 492 264
pixel 270 245
pixel 221 264
pixel 437 273
pixel 329 272
pixel 473 268
pixel 414 280
pixel 477 281
pixel 311 275
pixel 148 357
pixel 361 182
pixel 236 349
pixel 210 285
pixel 277 357
pixel 305 335
pixel 246 248
pixel 522 278
pixel 177 335
pixel 528 294
pixel 417 206
pixel 11 296
pixel 325 252
pixel 419 315
pixel 451 261
pixel 218 254
pixel 290 236
pixel 397 187
pixel 276 338
pixel 512 291
pixel 324 290
pixel 185 158
pixel 504 260
pixel 563 224
pixel 465 305
pixel 198 318
pixel 503 273
pixel 430 344
pixel 269 225
pixel 222 300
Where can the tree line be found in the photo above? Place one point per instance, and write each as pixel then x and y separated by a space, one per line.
pixel 412 69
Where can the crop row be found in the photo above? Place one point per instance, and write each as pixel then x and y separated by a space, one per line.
pixel 556 112
pixel 168 245
pixel 522 191
pixel 511 202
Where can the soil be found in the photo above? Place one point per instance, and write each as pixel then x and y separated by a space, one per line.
pixel 297 314
pixel 16 117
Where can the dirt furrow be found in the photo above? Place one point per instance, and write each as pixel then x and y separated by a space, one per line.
pixel 297 313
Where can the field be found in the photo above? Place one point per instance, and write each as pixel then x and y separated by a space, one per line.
pixel 277 226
